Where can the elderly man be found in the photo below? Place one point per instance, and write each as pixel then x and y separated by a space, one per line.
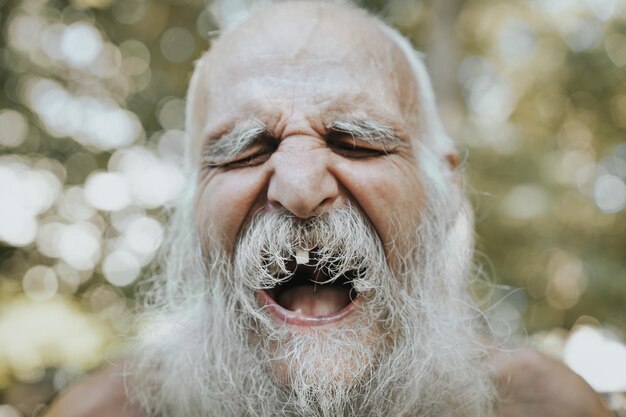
pixel 319 263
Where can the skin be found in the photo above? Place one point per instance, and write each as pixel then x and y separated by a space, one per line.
pixel 530 384
pixel 297 68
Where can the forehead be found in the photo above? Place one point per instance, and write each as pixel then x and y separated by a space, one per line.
pixel 306 58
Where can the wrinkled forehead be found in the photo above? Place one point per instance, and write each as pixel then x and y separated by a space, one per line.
pixel 318 48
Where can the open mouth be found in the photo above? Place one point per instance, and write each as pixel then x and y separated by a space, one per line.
pixel 311 295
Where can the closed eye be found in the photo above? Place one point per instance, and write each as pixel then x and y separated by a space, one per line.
pixel 240 149
pixel 352 150
pixel 250 159
pixel 349 146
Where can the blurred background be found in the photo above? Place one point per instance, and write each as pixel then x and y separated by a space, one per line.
pixel 91 134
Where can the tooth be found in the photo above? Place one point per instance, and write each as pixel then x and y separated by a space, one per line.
pixel 302 257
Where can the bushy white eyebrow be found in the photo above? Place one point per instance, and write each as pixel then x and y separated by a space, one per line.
pixel 233 143
pixel 369 131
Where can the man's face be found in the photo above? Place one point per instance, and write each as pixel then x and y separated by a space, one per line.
pixel 301 114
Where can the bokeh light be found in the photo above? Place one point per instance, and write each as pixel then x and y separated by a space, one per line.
pixel 7 410
pixel 599 357
pixel 610 193
pixel 29 192
pixel 80 44
pixel 177 44
pixel 107 191
pixel 40 283
pixel 40 334
pixel 121 268
pixel 14 128
pixel 142 235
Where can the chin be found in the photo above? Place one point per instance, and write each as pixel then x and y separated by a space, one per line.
pixel 321 362
pixel 339 350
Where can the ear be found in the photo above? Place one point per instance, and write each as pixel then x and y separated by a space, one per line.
pixel 454 160
pixel 455 164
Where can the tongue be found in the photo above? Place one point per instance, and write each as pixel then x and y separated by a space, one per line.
pixel 315 301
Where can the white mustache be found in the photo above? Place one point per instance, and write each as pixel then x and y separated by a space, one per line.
pixel 339 241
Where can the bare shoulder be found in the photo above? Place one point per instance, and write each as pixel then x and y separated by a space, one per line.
pixel 101 394
pixel 530 383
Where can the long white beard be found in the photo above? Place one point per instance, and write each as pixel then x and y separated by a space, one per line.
pixel 209 350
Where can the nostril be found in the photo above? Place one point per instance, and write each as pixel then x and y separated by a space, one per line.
pixel 326 204
pixel 274 206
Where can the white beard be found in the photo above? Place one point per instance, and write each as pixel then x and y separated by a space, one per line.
pixel 209 350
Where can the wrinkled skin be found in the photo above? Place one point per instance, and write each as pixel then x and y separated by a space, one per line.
pixel 297 81
pixel 291 81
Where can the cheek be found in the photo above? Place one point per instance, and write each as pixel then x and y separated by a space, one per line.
pixel 389 192
pixel 224 203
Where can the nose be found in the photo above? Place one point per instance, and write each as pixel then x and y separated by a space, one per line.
pixel 302 182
